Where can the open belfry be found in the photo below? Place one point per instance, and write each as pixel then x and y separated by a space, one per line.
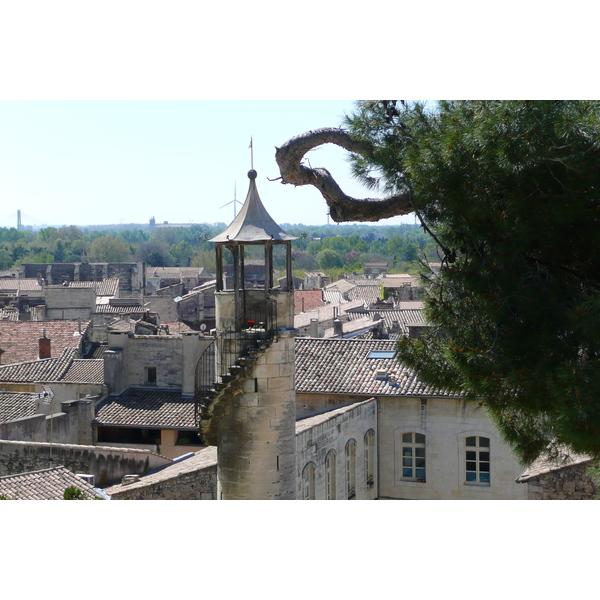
pixel 245 378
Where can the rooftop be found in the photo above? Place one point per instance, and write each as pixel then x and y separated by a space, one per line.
pixel 343 366
pixel 253 223
pixel 17 405
pixel 20 340
pixel 307 300
pixel 44 370
pixel 46 484
pixel 154 409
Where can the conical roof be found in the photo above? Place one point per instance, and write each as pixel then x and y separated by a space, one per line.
pixel 253 223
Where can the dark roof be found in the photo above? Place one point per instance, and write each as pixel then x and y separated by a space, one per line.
pixel 46 484
pixel 153 409
pixel 17 405
pixel 85 371
pixel 47 369
pixel 343 366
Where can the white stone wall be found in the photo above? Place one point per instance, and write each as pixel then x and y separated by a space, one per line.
pixel 320 435
pixel 445 423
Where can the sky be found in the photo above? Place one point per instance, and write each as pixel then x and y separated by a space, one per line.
pixel 85 162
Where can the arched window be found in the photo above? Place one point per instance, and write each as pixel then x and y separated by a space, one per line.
pixel 477 459
pixel 370 458
pixel 351 469
pixel 413 456
pixel 308 482
pixel 330 475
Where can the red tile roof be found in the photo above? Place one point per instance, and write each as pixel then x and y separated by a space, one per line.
pixel 305 300
pixel 20 340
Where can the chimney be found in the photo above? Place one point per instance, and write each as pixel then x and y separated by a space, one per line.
pixel 338 328
pixel 45 351
pixel 313 329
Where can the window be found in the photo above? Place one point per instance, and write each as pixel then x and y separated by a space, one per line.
pixel 330 475
pixel 150 373
pixel 413 456
pixel 351 469
pixel 477 454
pixel 308 482
pixel 369 457
pixel 382 354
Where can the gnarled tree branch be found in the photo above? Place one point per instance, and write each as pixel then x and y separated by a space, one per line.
pixel 341 207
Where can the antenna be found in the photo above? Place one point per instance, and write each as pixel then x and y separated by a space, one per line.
pixel 234 201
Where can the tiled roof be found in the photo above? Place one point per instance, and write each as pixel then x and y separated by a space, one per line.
pixel 394 281
pixel 342 366
pixel 47 369
pixel 147 408
pixel 20 340
pixel 325 313
pixel 544 465
pixel 12 284
pixel 306 300
pixel 106 287
pixel 85 371
pixel 47 484
pixel 133 308
pixel 17 405
pixel 402 317
pixel 9 313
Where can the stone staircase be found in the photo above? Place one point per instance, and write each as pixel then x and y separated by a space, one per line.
pixel 229 384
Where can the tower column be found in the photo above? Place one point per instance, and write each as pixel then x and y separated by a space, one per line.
pixel 256 445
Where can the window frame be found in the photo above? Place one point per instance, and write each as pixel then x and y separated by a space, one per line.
pixel 350 452
pixel 477 460
pixel 308 481
pixel 331 488
pixel 416 459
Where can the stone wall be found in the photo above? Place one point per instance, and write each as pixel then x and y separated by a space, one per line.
pixel 108 465
pixel 70 426
pixel 446 423
pixel 321 435
pixel 172 483
pixel 131 275
pixel 569 483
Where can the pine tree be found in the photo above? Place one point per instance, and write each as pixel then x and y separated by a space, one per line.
pixel 510 191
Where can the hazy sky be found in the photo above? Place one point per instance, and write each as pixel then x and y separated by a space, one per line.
pixel 100 162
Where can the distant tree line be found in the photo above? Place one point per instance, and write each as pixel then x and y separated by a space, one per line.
pixel 327 248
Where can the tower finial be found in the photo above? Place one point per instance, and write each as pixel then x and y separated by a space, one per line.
pixel 251 154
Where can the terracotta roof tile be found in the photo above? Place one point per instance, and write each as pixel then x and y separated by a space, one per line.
pixel 85 371
pixel 47 484
pixel 20 340
pixel 147 408
pixel 306 300
pixel 47 369
pixel 17 405
pixel 343 366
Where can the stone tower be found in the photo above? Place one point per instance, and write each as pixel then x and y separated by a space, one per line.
pixel 250 412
